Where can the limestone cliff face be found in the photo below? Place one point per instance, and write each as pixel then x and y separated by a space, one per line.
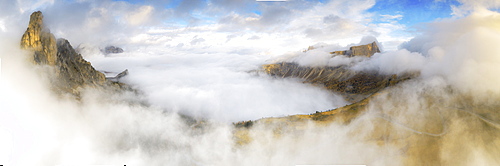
pixel 363 50
pixel 352 85
pixel 71 70
pixel 40 40
pixel 74 70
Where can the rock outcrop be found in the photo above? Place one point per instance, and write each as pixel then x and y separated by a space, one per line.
pixel 441 123
pixel 363 50
pixel 72 71
pixel 352 85
pixel 357 87
pixel 112 50
pixel 118 76
pixel 39 39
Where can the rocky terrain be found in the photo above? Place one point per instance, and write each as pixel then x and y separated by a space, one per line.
pixel 352 85
pixel 72 71
pixel 356 87
pixel 362 50
pixel 39 39
pixel 428 129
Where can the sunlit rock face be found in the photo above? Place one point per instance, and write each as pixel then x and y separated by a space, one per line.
pixel 72 71
pixel 39 39
pixel 363 50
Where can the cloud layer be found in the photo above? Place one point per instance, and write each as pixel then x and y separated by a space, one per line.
pixel 200 60
pixel 300 22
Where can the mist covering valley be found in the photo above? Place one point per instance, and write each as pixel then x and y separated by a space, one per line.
pixel 194 82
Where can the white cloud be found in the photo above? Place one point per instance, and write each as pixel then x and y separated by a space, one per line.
pixel 388 18
pixel 393 62
pixel 196 40
pixel 140 16
pixel 30 5
pixel 468 6
pixel 2 25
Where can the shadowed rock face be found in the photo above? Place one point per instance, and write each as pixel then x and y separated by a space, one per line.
pixel 72 71
pixel 352 85
pixel 112 50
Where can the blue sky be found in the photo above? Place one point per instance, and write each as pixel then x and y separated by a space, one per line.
pixel 413 12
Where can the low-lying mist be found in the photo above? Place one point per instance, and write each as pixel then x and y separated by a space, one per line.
pixel 448 115
pixel 225 87
pixel 101 128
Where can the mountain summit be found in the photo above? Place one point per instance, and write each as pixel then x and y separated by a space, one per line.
pixel 367 50
pixel 72 71
pixel 39 39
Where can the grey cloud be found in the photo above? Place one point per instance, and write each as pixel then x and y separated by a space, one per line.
pixel 275 15
pixel 8 7
pixel 229 37
pixel 233 5
pixel 313 32
pixel 99 22
pixel 197 40
pixel 187 6
pixel 159 3
pixel 272 18
pixel 254 37
pixel 331 19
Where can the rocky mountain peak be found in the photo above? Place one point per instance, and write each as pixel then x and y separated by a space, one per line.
pixel 367 50
pixel 72 71
pixel 39 39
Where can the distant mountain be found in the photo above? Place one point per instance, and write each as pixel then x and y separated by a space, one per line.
pixel 352 85
pixel 362 50
pixel 427 125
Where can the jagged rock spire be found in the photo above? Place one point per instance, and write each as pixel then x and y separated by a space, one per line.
pixel 71 70
pixel 40 40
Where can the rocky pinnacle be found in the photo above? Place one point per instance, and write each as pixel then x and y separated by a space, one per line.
pixel 71 70
pixel 39 39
